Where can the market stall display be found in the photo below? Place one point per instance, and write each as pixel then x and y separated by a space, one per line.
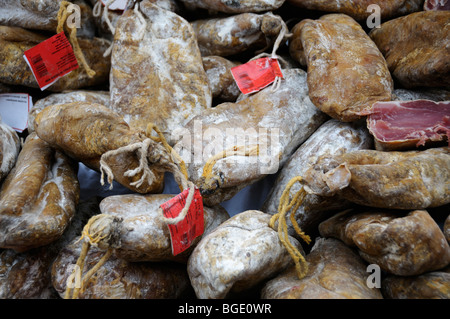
pixel 180 149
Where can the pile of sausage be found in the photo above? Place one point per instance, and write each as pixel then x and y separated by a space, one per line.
pixel 360 120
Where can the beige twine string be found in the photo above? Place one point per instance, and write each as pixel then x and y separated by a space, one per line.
pixel 101 231
pixel 287 204
pixel 143 167
pixel 62 17
pixel 173 155
pixel 158 144
pixel 185 210
pixel 233 151
pixel 97 12
pixel 106 16
pixel 284 33
pixel 208 176
pixel 97 9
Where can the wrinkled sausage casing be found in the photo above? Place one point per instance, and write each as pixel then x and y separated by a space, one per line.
pixel 346 71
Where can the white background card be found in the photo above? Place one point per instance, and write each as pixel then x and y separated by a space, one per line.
pixel 14 108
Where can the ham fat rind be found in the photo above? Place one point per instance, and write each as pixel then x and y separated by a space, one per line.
pixel 401 125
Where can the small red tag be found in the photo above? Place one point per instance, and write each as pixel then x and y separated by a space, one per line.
pixel 51 60
pixel 256 74
pixel 184 232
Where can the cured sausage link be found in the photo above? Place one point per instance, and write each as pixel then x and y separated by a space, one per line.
pixel 397 180
pixel 86 131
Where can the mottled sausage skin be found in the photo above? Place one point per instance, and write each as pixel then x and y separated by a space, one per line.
pixel 400 180
pixel 346 71
pixel 85 131
pixel 359 9
pixel 416 48
pixel 38 198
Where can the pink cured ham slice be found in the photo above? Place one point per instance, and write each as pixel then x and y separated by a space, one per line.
pixel 401 125
pixel 430 5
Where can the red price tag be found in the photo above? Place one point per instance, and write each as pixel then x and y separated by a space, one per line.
pixel 184 232
pixel 256 74
pixel 51 60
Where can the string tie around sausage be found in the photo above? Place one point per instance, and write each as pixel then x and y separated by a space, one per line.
pixel 285 205
pixel 284 34
pixel 63 14
pixel 152 150
pixel 142 148
pixel 97 12
pixel 157 151
pixel 210 182
pixel 102 231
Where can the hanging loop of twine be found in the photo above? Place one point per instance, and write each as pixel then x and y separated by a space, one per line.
pixel 97 9
pixel 97 12
pixel 284 207
pixel 284 34
pixel 178 168
pixel 63 14
pixel 106 16
pixel 182 215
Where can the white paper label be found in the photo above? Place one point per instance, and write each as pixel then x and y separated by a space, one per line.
pixel 116 5
pixel 14 108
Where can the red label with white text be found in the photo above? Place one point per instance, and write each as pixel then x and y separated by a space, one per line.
pixel 255 75
pixel 184 232
pixel 51 60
